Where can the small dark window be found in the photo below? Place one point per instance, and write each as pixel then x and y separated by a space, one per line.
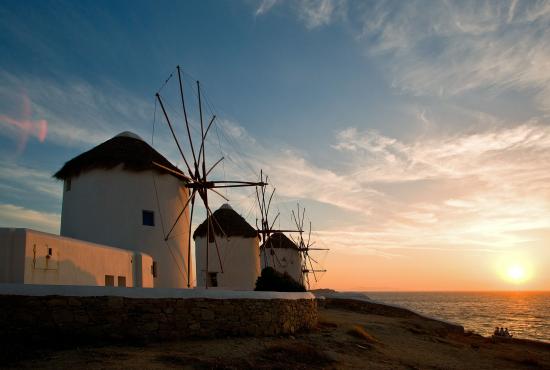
pixel 68 185
pixel 148 218
pixel 121 281
pixel 213 279
pixel 109 280
pixel 154 269
pixel 49 251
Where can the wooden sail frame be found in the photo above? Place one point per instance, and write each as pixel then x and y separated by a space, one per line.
pixel 265 229
pixel 196 179
pixel 304 247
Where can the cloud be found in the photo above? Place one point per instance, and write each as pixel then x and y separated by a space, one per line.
pixel 317 13
pixel 481 191
pixel 448 48
pixel 78 114
pixel 29 180
pixel 16 216
pixel 265 6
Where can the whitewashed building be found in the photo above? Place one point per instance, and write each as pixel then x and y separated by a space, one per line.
pixel 280 253
pixel 115 196
pixel 34 257
pixel 238 264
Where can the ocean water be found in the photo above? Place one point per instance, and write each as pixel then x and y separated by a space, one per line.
pixel 525 314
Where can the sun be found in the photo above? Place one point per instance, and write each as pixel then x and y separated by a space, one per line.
pixel 515 268
pixel 516 273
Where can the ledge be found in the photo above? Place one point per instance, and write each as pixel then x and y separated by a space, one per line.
pixel 101 291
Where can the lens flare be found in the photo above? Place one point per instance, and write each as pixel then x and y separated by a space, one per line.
pixel 26 127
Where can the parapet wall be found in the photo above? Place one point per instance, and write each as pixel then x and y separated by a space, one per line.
pixel 91 318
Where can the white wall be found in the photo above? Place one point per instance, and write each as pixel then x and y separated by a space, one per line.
pixel 283 260
pixel 105 207
pixel 71 261
pixel 240 258
pixel 12 255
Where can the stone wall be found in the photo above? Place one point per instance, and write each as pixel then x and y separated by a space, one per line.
pixel 39 318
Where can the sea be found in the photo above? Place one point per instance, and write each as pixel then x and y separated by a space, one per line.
pixel 525 314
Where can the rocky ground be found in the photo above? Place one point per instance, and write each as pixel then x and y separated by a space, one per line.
pixel 350 334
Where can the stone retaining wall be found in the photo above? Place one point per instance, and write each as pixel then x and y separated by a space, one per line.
pixel 38 318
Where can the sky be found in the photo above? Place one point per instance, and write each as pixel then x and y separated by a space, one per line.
pixel 415 133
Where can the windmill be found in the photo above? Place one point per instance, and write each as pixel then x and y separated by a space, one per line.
pixel 196 178
pixel 304 247
pixel 265 230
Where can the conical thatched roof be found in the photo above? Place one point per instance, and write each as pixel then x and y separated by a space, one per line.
pixel 226 223
pixel 126 148
pixel 279 240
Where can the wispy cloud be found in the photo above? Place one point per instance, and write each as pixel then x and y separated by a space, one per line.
pixel 30 180
pixel 78 113
pixel 265 6
pixel 16 216
pixel 317 13
pixel 474 192
pixel 451 47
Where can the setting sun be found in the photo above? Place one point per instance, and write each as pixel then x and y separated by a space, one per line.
pixel 516 274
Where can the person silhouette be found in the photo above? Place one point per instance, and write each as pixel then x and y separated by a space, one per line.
pixel 501 332
pixel 507 333
pixel 496 331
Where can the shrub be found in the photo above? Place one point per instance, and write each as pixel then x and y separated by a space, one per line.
pixel 360 332
pixel 272 280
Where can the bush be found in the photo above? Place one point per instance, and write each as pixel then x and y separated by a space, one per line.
pixel 272 280
pixel 360 332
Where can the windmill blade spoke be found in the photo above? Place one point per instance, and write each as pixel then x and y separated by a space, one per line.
pixel 295 221
pixel 311 258
pixel 312 269
pixel 173 133
pixel 189 243
pixel 181 175
pixel 249 183
pixel 291 238
pixel 259 203
pixel 269 203
pixel 275 220
pixel 243 185
pixel 309 235
pixel 185 117
pixel 215 164
pixel 179 216
pixel 220 194
pixel 203 161
pixel 211 219
pixel 205 134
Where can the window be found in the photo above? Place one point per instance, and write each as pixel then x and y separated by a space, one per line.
pixel 154 269
pixel 68 185
pixel 121 281
pixel 148 218
pixel 212 279
pixel 109 280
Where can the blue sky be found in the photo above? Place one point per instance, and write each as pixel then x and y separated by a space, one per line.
pixel 416 132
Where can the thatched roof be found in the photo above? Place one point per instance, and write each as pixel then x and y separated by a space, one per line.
pixel 226 223
pixel 279 240
pixel 126 148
